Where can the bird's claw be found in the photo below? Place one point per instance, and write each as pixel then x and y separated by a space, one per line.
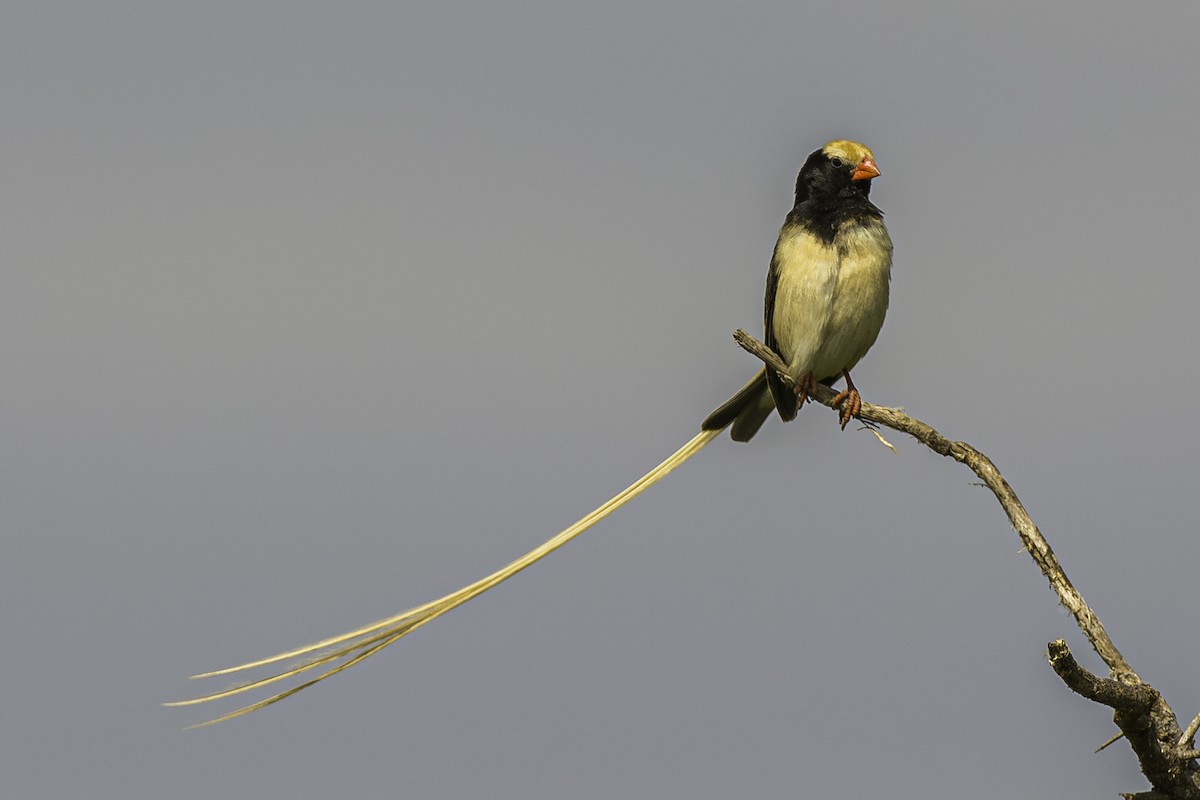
pixel 804 388
pixel 849 403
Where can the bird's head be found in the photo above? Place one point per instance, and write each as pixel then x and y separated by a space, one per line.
pixel 839 169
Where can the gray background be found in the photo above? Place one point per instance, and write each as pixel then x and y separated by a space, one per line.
pixel 310 313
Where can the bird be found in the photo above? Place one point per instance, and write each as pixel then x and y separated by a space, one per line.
pixel 826 297
pixel 827 291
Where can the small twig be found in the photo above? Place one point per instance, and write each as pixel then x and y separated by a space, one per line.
pixel 1110 742
pixel 879 436
pixel 1190 731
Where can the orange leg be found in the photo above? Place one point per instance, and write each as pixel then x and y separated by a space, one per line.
pixel 849 401
pixel 805 387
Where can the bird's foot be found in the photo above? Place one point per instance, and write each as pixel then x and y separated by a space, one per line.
pixel 804 388
pixel 849 403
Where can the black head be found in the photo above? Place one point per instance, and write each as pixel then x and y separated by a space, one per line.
pixel 840 169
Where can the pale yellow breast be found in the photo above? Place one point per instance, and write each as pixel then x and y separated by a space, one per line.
pixel 860 299
pixel 831 299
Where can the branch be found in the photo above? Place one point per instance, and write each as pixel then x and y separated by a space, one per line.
pixel 1143 716
pixel 982 466
pixel 1146 721
pixel 1127 698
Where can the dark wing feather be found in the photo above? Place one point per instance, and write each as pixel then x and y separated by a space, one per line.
pixel 781 392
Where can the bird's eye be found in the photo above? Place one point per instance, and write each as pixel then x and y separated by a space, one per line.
pixel 837 162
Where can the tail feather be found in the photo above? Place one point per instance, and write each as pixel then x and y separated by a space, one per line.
pixel 750 420
pixel 747 410
pixel 359 644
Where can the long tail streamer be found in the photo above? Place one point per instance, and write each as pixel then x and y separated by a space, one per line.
pixel 353 647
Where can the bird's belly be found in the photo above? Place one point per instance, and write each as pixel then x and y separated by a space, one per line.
pixel 853 327
pixel 832 308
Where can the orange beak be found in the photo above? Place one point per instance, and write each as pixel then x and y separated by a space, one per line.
pixel 865 170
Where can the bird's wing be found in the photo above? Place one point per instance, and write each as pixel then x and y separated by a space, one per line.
pixel 785 400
